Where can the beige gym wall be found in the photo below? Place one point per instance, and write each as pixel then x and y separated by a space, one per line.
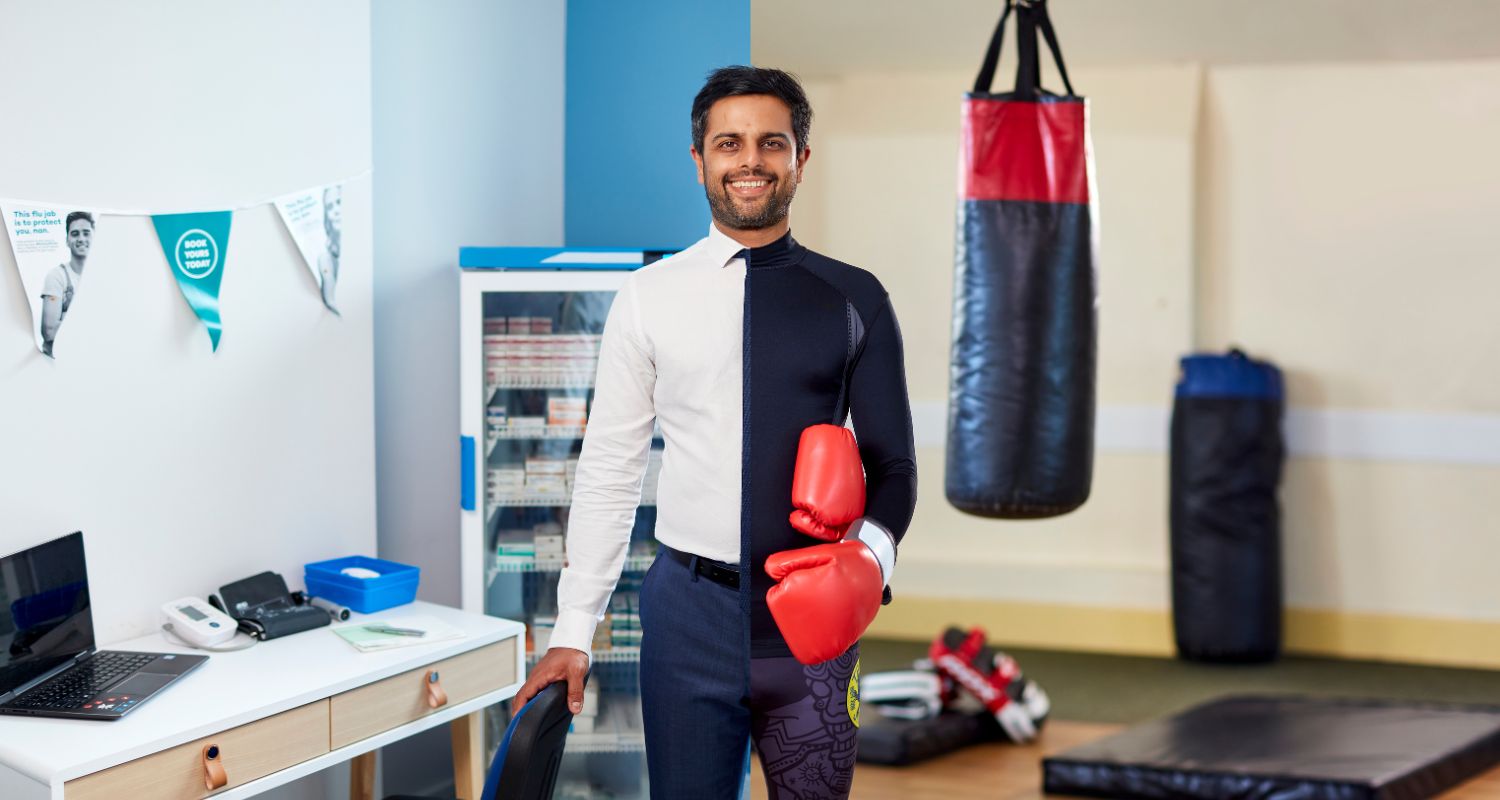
pixel 1336 219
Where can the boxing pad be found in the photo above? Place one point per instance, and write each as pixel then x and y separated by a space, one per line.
pixel 965 662
pixel 903 694
pixel 1021 391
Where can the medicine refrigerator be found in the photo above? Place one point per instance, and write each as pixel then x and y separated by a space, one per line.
pixel 532 320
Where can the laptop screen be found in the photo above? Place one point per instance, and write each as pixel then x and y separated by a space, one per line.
pixel 44 610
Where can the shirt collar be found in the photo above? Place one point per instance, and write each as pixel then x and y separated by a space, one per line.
pixel 723 249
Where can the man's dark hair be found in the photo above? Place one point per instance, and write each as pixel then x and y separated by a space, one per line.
pixel 78 215
pixel 740 80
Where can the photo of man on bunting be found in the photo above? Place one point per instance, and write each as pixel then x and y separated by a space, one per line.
pixel 195 245
pixel 52 246
pixel 315 218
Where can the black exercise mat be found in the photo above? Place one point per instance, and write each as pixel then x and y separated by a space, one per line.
pixel 1285 748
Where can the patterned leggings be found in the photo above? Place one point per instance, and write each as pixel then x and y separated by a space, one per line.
pixel 804 722
pixel 699 703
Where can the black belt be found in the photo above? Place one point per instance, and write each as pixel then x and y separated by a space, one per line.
pixel 716 571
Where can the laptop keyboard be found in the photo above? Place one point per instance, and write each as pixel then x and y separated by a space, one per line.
pixel 75 687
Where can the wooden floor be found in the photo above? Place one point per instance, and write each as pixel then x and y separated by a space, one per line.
pixel 1010 772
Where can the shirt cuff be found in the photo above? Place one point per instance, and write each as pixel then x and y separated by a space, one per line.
pixel 879 540
pixel 574 629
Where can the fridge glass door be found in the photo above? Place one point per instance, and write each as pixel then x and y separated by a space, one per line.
pixel 540 352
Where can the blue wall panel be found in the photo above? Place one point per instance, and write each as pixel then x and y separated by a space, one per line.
pixel 633 68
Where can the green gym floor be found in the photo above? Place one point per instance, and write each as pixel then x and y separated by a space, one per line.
pixel 1091 687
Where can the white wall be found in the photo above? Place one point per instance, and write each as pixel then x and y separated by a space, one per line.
pixel 468 139
pixel 1348 232
pixel 468 151
pixel 186 468
pixel 1359 202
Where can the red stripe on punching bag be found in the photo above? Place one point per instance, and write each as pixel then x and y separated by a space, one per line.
pixel 1015 150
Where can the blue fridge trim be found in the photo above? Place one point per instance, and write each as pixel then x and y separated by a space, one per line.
pixel 557 258
pixel 466 472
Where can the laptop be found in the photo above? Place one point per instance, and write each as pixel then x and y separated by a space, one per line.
pixel 48 664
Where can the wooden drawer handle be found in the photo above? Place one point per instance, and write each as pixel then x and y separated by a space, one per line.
pixel 436 697
pixel 214 776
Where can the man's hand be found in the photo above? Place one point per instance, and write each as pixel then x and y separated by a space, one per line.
pixel 559 664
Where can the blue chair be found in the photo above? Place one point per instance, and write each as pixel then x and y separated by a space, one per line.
pixel 526 765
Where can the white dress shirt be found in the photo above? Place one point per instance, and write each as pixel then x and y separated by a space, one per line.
pixel 671 353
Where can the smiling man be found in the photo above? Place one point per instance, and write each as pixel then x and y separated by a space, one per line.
pixel 736 346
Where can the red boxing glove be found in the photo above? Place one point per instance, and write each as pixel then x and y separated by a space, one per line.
pixel 828 484
pixel 826 598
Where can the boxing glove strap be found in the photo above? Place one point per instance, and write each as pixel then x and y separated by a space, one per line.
pixel 880 542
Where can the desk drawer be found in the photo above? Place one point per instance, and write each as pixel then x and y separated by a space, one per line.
pixel 361 713
pixel 250 751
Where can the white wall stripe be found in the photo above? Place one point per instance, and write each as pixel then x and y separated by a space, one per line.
pixel 1441 438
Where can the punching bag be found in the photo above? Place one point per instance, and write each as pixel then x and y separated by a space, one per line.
pixel 1227 455
pixel 1021 397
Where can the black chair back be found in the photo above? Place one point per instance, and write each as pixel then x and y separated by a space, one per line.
pixel 526 765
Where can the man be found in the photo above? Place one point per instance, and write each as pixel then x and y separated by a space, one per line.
pixel 333 227
pixel 62 280
pixel 735 346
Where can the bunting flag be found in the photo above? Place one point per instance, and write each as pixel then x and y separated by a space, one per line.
pixel 194 245
pixel 315 217
pixel 52 246
pixel 52 243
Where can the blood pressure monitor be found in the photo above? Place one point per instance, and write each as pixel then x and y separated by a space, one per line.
pixel 198 623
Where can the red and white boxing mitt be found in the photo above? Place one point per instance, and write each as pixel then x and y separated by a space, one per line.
pixel 993 678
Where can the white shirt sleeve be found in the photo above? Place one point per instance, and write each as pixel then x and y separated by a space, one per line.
pixel 607 485
pixel 56 282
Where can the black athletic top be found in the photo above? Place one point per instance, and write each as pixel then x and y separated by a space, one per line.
pixel 821 342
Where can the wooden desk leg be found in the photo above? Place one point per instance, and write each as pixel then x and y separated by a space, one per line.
pixel 362 777
pixel 468 756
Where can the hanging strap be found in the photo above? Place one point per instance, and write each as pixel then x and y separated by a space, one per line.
pixel 1030 18
pixel 992 55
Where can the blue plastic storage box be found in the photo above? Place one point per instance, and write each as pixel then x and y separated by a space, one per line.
pixel 397 584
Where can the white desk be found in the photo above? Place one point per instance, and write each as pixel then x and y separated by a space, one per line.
pixel 280 710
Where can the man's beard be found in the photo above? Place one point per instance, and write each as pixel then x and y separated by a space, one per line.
pixel 769 212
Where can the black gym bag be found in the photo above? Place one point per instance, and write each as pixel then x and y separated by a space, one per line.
pixel 1227 455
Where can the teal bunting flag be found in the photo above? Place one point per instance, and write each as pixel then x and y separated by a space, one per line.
pixel 195 245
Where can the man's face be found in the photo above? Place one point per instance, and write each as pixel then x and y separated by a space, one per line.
pixel 80 236
pixel 333 207
pixel 750 165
